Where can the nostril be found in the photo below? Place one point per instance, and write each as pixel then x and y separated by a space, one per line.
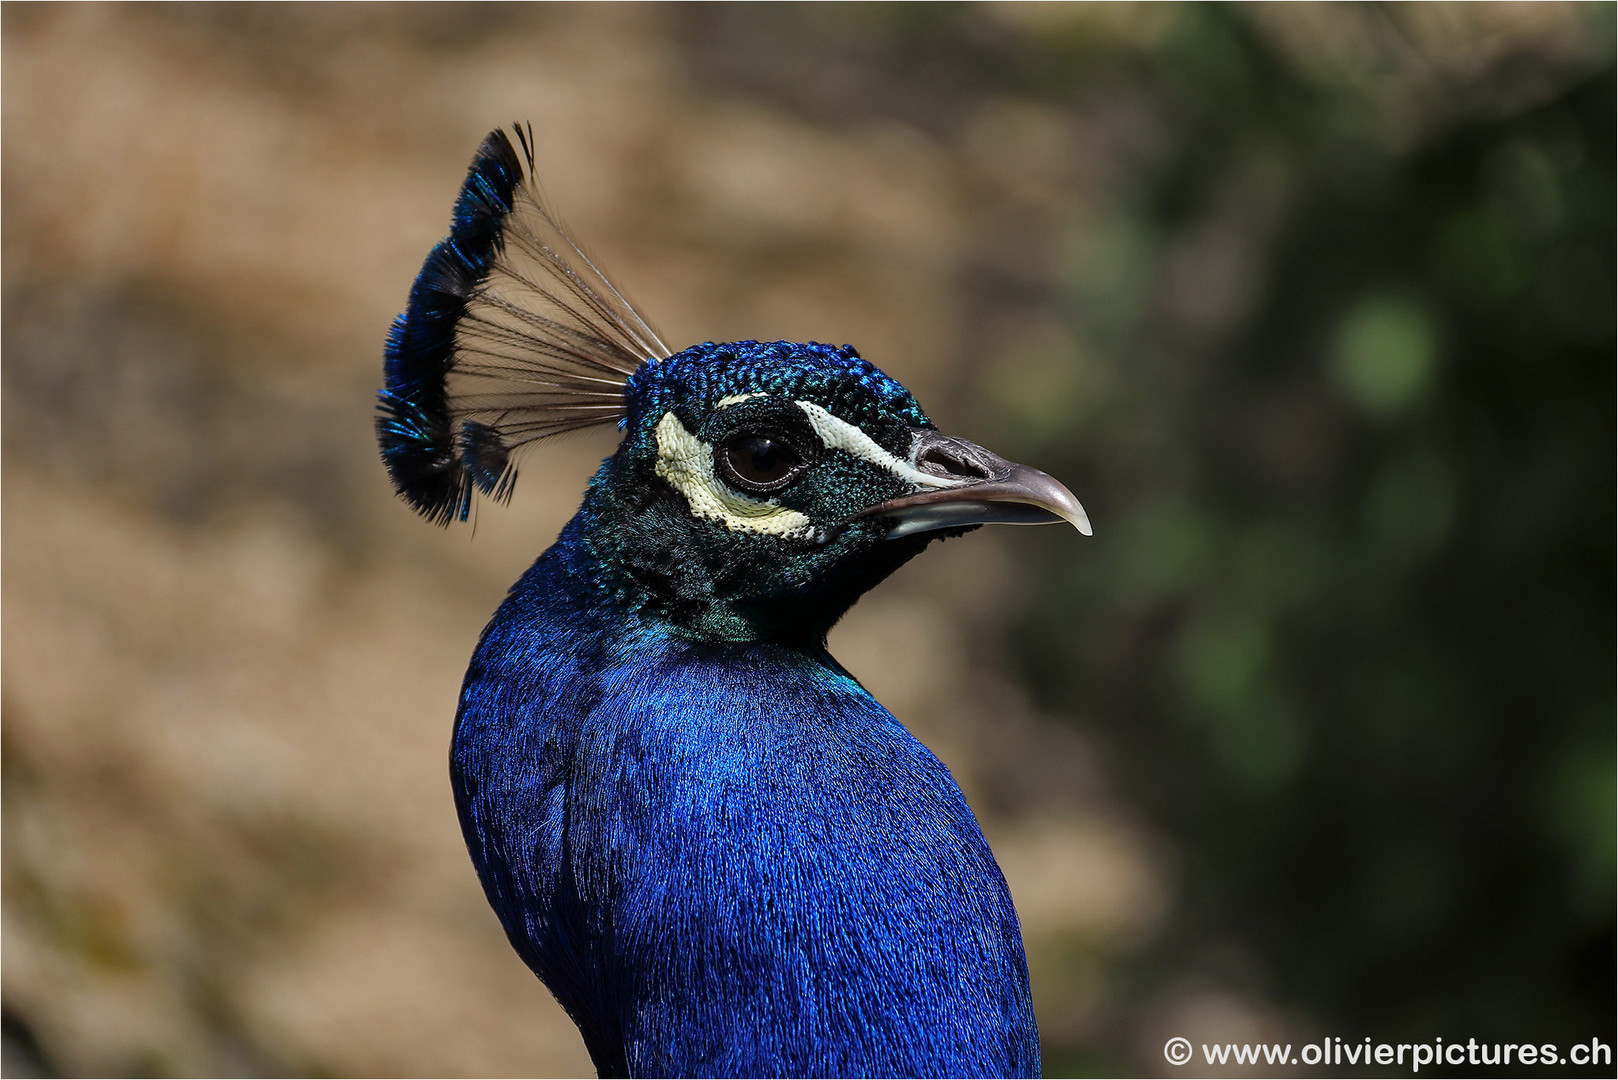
pixel 943 459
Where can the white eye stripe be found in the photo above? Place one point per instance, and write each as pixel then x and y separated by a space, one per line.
pixel 686 462
pixel 736 399
pixel 836 434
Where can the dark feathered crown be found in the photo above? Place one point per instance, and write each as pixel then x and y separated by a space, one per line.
pixel 512 334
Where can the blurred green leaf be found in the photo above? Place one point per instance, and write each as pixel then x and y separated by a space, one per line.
pixel 1581 809
pixel 1385 354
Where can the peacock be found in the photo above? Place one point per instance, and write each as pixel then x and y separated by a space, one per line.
pixel 717 850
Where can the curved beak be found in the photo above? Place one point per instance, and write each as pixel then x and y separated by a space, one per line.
pixel 976 487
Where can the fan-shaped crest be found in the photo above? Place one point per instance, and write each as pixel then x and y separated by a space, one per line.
pixel 512 334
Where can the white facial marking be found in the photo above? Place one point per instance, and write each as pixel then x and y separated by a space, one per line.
pixel 687 462
pixel 838 434
pixel 736 399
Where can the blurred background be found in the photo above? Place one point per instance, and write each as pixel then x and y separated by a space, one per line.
pixel 1313 306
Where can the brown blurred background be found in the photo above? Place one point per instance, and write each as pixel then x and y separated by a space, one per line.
pixel 1311 305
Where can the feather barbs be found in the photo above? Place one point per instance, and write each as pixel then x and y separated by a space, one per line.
pixel 512 334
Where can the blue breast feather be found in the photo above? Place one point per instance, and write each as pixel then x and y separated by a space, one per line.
pixel 727 858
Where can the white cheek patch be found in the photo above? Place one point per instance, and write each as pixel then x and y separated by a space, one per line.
pixel 686 462
pixel 838 434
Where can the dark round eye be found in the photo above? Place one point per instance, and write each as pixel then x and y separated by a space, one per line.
pixel 759 461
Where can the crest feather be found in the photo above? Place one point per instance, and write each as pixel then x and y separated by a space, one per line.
pixel 512 334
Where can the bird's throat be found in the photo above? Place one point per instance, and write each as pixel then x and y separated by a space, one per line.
pixel 659 562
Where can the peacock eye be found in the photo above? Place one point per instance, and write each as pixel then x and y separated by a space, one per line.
pixel 760 462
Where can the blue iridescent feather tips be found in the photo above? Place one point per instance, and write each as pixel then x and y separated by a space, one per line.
pixel 718 851
pixel 511 334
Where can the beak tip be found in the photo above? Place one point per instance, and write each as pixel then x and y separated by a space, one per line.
pixel 1010 494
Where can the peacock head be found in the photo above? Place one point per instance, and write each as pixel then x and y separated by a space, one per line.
pixel 760 488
